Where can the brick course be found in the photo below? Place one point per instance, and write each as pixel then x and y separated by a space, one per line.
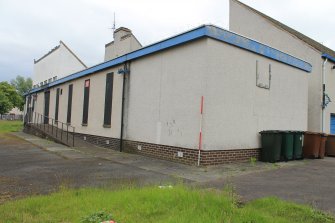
pixel 106 142
pixel 190 156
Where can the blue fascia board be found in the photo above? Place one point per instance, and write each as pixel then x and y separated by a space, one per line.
pixel 197 33
pixel 256 47
pixel 327 56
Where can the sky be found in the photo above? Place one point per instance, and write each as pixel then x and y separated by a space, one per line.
pixel 30 29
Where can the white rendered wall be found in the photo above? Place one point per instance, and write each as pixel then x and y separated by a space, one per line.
pixel 59 63
pixel 236 110
pixel 330 90
pixel 96 104
pixel 164 96
pixel 248 23
pixel 164 91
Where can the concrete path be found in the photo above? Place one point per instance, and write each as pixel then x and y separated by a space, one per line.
pixel 30 165
pixel 313 184
pixel 200 175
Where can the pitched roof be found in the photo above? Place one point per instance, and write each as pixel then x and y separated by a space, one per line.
pixel 318 46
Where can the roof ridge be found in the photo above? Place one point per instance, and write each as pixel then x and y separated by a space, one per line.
pixel 57 47
pixel 311 42
pixel 61 42
pixel 45 55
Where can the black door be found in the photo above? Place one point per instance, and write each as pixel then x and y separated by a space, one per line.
pixel 46 106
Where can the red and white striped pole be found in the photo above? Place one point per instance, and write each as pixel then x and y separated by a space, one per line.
pixel 200 132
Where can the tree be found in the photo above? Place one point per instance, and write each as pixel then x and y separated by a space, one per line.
pixel 9 98
pixel 5 104
pixel 22 86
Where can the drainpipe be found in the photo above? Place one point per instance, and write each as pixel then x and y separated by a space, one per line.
pixel 126 70
pixel 323 93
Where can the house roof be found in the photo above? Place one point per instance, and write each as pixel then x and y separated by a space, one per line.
pixel 57 47
pixel 318 46
pixel 203 31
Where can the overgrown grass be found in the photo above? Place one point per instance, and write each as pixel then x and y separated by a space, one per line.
pixel 152 204
pixel 10 126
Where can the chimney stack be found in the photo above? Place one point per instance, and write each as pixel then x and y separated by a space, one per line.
pixel 124 42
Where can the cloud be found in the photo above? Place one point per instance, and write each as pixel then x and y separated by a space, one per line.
pixel 29 29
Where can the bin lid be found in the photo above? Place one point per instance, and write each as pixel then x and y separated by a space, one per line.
pixel 315 133
pixel 298 131
pixel 269 131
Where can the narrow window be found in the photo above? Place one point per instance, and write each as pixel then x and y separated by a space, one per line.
pixel 29 109
pixel 108 100
pixel 34 101
pixel 69 104
pixel 46 106
pixel 57 104
pixel 86 101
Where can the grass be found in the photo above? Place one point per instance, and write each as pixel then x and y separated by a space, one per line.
pixel 152 204
pixel 10 126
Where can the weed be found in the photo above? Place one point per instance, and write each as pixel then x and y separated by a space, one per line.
pixel 97 217
pixel 253 161
pixel 151 204
pixel 275 165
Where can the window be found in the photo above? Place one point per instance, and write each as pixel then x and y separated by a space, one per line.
pixel 54 78
pixel 50 79
pixel 69 104
pixel 86 101
pixel 108 100
pixel 41 84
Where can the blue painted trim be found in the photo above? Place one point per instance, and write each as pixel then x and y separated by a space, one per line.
pixel 325 55
pixel 197 33
pixel 256 47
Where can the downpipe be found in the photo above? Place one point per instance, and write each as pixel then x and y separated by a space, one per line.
pixel 125 71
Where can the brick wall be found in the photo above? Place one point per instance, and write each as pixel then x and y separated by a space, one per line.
pixel 189 156
pixel 106 142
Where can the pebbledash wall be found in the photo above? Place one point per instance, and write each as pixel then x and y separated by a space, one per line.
pixel 163 95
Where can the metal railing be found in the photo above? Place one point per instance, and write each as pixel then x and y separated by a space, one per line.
pixel 11 117
pixel 55 128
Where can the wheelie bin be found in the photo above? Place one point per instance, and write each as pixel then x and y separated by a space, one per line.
pixel 271 146
pixel 287 145
pixel 314 145
pixel 322 149
pixel 297 145
pixel 330 145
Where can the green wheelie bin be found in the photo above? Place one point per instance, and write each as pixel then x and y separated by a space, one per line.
pixel 271 146
pixel 287 145
pixel 297 145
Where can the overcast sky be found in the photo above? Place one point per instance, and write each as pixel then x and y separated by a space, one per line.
pixel 29 29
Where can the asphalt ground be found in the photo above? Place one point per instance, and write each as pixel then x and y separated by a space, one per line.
pixel 30 165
